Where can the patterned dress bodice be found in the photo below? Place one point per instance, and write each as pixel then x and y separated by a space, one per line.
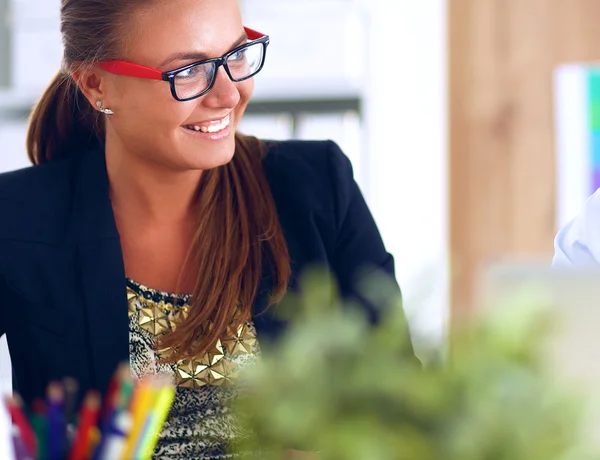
pixel 200 424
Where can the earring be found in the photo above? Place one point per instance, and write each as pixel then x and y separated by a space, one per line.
pixel 103 110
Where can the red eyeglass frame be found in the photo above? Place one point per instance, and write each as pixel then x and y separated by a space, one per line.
pixel 130 69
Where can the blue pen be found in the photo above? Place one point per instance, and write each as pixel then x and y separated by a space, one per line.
pixel 116 437
pixel 56 422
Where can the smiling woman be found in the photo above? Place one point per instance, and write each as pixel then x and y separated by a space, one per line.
pixel 149 231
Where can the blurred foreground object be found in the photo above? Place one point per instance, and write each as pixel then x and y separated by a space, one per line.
pixel 125 424
pixel 340 387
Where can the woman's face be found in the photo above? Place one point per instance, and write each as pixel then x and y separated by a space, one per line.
pixel 148 122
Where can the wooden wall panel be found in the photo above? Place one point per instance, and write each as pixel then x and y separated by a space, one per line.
pixel 502 166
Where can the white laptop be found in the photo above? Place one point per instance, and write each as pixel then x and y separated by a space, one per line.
pixel 573 295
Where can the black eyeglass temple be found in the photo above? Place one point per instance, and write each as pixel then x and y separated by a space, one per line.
pixel 222 62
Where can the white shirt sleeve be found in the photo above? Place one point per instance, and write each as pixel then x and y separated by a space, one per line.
pixel 577 244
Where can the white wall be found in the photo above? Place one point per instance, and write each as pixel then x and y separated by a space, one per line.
pixel 36 39
pixel 406 110
pixel 12 145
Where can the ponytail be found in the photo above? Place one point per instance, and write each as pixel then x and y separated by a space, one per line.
pixel 62 123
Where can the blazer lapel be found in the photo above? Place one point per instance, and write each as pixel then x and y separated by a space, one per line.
pixel 101 269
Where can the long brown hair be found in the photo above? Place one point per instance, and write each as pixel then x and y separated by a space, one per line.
pixel 238 228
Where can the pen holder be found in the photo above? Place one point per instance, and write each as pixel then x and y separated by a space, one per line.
pixel 124 425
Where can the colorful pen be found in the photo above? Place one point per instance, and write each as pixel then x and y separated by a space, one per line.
pixel 121 402
pixel 116 438
pixel 155 421
pixel 39 423
pixel 145 395
pixel 88 419
pixel 56 422
pixel 71 389
pixel 19 420
pixel 110 400
pixel 126 426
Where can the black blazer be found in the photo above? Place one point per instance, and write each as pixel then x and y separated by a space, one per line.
pixel 63 305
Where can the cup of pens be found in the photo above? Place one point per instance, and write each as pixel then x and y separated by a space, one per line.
pixel 126 425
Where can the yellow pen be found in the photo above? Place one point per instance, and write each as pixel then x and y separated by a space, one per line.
pixel 142 406
pixel 154 425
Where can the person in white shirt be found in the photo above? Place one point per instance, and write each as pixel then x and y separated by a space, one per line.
pixel 577 244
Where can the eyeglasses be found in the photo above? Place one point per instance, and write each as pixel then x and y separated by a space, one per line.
pixel 197 79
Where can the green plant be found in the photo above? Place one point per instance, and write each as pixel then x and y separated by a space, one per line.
pixel 338 386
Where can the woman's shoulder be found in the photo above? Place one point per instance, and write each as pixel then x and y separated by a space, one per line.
pixel 32 198
pixel 314 171
pixel 32 176
pixel 315 156
pixel 578 242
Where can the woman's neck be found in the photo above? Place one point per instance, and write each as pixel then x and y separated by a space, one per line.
pixel 149 191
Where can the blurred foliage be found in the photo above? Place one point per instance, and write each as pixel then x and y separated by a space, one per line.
pixel 336 385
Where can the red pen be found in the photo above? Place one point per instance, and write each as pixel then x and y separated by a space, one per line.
pixel 88 418
pixel 14 405
pixel 111 399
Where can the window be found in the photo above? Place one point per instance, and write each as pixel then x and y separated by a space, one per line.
pixel 5 45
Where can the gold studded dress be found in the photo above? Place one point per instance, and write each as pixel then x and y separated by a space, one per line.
pixel 200 424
